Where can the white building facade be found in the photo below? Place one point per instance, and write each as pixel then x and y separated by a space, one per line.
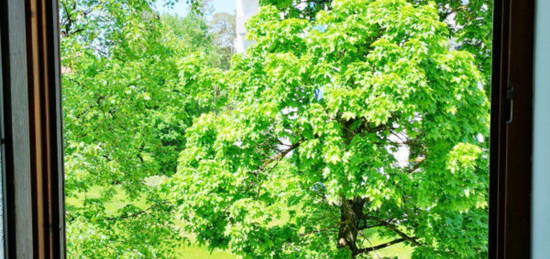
pixel 245 10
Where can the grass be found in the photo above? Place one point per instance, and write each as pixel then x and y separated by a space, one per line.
pixel 202 253
pixel 400 251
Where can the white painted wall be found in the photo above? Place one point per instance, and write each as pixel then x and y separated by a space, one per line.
pixel 245 10
pixel 541 158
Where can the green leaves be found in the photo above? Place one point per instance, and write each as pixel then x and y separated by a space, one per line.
pixel 367 105
pixel 127 106
pixel 346 120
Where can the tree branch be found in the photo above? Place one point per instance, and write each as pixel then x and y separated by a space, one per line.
pixel 378 247
pixel 366 226
pixel 280 155
pixel 416 166
pixel 125 216
pixel 403 235
pixel 396 230
pixel 276 158
pixel 327 229
pixel 69 22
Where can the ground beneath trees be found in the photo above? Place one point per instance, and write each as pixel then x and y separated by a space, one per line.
pixel 399 251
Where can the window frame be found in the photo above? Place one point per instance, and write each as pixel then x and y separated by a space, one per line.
pixel 17 205
pixel 32 120
pixel 510 192
pixel 32 127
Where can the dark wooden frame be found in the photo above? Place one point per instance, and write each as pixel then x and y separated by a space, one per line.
pixel 511 130
pixel 33 129
pixel 32 132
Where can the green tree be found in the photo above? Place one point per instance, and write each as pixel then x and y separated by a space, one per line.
pixel 471 27
pixel 192 29
pixel 306 9
pixel 470 23
pixel 363 122
pixel 223 28
pixel 135 81
pixel 213 38
pixel 128 96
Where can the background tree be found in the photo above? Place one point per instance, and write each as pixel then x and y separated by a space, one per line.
pixel 471 27
pixel 361 122
pixel 222 26
pixel 306 9
pixel 132 84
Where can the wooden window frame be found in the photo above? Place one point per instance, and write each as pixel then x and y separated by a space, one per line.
pixel 511 130
pixel 32 130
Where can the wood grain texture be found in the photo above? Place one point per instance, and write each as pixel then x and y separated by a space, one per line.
pixel 32 109
pixel 45 127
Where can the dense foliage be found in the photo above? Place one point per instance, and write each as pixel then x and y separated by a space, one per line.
pixel 348 121
pixel 128 100
pixel 305 157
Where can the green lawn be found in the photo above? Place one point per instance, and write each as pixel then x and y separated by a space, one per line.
pixel 399 251
pixel 196 252
pixel 202 253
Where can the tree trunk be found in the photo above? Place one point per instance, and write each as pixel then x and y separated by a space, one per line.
pixel 351 214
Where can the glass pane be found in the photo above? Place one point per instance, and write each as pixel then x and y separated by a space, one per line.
pixel 541 164
pixel 301 129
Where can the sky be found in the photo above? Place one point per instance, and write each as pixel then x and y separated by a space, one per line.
pixel 227 6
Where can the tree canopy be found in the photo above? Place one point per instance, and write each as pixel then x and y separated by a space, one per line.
pixel 346 121
pixel 128 97
pixel 362 119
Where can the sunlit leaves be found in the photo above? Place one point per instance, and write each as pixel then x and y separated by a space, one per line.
pixel 128 99
pixel 367 102
pixel 336 101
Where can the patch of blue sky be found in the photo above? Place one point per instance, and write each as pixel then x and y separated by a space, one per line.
pixel 181 7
